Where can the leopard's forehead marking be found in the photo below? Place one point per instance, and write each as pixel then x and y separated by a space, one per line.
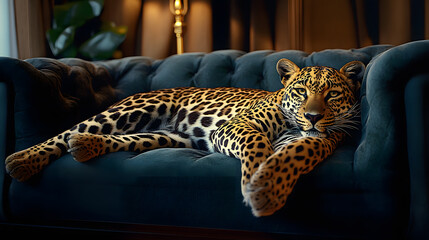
pixel 317 78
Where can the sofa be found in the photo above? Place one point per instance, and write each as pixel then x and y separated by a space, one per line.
pixel 374 186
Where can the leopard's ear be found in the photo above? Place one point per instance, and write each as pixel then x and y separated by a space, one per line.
pixel 354 72
pixel 286 69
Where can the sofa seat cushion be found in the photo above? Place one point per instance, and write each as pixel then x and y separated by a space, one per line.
pixel 188 187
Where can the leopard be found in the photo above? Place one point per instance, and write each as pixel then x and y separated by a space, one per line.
pixel 277 136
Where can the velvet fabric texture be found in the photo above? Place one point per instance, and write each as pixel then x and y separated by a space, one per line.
pixel 362 190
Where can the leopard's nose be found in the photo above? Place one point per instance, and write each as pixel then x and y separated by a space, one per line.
pixel 313 118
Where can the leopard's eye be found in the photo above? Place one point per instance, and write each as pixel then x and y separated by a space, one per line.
pixel 333 94
pixel 301 91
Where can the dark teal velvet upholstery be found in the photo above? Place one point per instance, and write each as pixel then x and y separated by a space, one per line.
pixel 362 191
pixel 417 117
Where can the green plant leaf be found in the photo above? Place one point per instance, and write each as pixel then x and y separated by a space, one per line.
pixel 102 45
pixel 76 13
pixel 69 52
pixel 59 39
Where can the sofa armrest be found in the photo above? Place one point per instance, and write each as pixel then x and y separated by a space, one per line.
pixel 383 162
pixel 49 96
pixel 383 143
pixel 417 116
pixel 6 146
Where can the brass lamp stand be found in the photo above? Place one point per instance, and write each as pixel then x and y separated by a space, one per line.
pixel 179 8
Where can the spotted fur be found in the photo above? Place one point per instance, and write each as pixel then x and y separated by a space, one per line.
pixel 276 135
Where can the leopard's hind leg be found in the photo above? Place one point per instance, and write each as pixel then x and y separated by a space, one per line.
pixel 25 163
pixel 154 109
pixel 85 146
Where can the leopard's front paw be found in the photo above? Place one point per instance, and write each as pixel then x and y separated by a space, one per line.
pixel 84 146
pixel 264 195
pixel 22 166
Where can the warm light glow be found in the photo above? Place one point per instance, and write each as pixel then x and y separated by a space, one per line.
pixel 178 4
pixel 179 8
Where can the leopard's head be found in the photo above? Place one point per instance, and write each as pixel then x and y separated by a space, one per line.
pixel 320 100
